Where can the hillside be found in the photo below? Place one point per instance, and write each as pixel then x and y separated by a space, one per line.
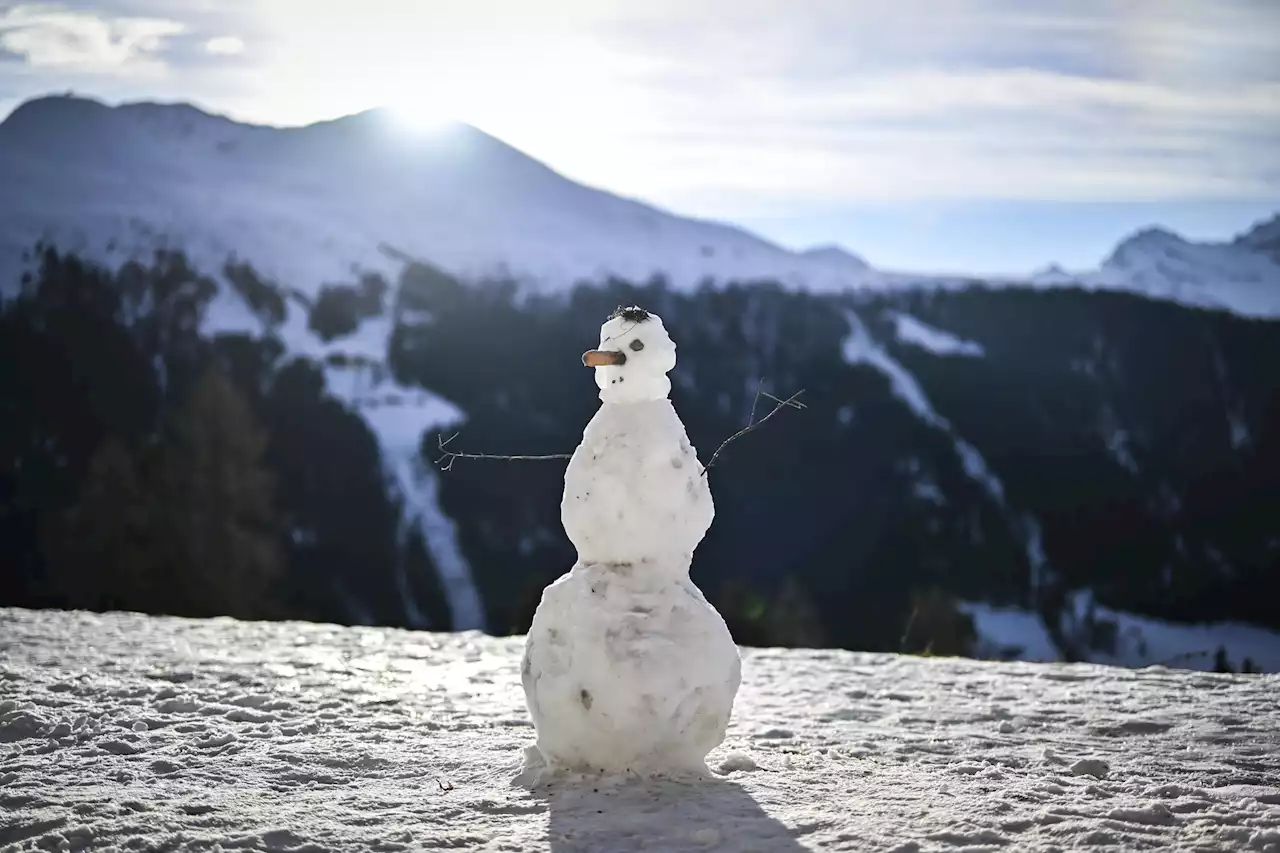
pixel 311 204
pixel 308 205
pixel 1093 466
pixel 1087 461
pixel 1008 445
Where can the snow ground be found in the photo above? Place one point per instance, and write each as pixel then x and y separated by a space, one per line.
pixel 124 732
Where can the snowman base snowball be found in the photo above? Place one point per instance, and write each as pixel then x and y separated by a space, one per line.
pixel 627 668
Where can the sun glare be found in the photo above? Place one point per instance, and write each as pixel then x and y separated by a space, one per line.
pixel 421 115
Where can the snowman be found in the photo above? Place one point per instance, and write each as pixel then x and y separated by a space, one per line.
pixel 627 668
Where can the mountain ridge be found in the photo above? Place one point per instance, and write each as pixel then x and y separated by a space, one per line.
pixel 469 202
pixel 454 185
pixel 313 215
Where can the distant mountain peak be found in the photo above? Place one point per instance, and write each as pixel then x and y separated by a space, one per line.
pixel 1263 237
pixel 1144 246
pixel 70 121
pixel 835 254
pixel 1151 238
pixel 70 104
pixel 1160 263
pixel 1052 275
pixel 51 115
pixel 51 110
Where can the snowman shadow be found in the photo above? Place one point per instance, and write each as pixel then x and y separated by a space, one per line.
pixel 659 814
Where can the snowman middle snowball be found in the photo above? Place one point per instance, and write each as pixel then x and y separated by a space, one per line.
pixel 627 667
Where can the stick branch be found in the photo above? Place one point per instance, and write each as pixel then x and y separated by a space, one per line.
pixel 448 457
pixel 791 402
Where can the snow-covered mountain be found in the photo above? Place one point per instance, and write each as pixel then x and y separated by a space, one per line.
pixel 1263 237
pixel 317 205
pixel 308 205
pixel 1238 276
pixel 1242 276
pixel 314 205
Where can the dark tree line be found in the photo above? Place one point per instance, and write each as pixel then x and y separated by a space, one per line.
pixel 195 505
pixel 144 466
pixel 1140 436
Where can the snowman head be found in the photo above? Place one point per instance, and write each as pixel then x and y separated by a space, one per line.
pixel 633 358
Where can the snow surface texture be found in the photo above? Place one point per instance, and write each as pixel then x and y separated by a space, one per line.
pixel 124 732
pixel 627 667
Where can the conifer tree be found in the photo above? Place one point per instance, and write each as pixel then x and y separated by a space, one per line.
pixel 100 549
pixel 215 502
pixel 792 619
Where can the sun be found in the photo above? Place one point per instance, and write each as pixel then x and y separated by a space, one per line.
pixel 423 114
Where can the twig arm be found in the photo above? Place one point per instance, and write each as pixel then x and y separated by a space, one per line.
pixel 791 402
pixel 448 457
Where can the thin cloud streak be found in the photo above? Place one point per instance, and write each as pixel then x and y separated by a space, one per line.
pixel 49 38
pixel 224 46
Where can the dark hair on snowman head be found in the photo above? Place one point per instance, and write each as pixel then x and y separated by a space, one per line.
pixel 631 315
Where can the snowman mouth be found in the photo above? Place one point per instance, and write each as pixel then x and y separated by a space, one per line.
pixel 604 358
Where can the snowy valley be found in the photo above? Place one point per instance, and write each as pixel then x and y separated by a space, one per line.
pixel 1078 462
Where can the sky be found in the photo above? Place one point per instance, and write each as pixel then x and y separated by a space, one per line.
pixel 960 135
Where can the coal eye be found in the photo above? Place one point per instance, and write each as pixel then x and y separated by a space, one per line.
pixel 637 345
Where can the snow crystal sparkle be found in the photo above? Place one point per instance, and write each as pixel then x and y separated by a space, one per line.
pixel 627 668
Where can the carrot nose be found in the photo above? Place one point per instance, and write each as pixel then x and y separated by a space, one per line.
pixel 603 358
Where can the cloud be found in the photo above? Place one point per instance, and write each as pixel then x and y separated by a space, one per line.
pixel 224 46
pixel 870 101
pixel 773 105
pixel 54 38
